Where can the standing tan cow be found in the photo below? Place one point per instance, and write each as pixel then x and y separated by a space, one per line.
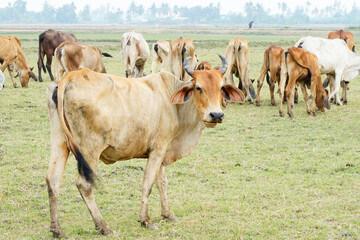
pixel 237 55
pixel 180 49
pixel 301 66
pixel 135 52
pixel 72 56
pixel 108 118
pixel 349 39
pixel 12 57
pixel 160 52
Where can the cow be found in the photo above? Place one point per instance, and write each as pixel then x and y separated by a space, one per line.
pixel 2 80
pixel 72 56
pixel 301 66
pixel 49 40
pixel 272 64
pixel 334 58
pixel 204 66
pixel 237 55
pixel 160 52
pixel 157 117
pixel 135 52
pixel 12 57
pixel 349 39
pixel 181 49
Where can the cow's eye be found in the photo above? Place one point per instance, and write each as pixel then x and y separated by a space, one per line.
pixel 199 89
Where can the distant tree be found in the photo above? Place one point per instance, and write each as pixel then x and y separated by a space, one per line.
pixel 84 14
pixel 66 14
pixel 48 13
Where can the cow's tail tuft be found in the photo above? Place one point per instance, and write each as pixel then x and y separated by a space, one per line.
pixel 83 167
pixel 106 54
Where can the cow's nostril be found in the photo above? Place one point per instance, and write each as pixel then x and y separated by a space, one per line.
pixel 217 116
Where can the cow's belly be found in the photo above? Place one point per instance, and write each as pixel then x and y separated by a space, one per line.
pixel 111 155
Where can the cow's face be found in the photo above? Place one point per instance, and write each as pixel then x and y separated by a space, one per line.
pixel 322 99
pixel 204 66
pixel 206 91
pixel 25 76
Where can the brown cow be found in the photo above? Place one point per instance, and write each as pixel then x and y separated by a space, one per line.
pixel 204 66
pixel 180 49
pixel 272 64
pixel 301 66
pixel 349 39
pixel 12 57
pixel 72 56
pixel 160 52
pixel 49 40
pixel 237 55
pixel 160 118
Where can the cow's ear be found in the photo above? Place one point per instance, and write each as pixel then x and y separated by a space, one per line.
pixel 232 94
pixel 326 101
pixel 182 95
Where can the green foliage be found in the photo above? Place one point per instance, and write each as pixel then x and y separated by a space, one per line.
pixel 255 176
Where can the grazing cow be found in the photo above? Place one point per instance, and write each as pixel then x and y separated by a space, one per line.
pixel 334 58
pixel 2 80
pixel 135 52
pixel 49 40
pixel 181 49
pixel 158 117
pixel 301 66
pixel 349 39
pixel 72 56
pixel 160 53
pixel 12 57
pixel 237 56
pixel 272 64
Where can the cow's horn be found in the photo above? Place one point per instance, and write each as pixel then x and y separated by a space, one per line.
pixel 224 64
pixel 187 67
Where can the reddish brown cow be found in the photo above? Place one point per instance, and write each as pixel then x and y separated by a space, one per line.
pixel 12 57
pixel 48 42
pixel 301 66
pixel 204 66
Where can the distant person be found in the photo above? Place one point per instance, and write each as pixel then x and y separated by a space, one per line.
pixel 250 24
pixel 2 80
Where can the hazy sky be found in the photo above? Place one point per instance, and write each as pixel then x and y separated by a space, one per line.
pixel 226 5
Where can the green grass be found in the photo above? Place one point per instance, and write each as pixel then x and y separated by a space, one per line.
pixel 255 176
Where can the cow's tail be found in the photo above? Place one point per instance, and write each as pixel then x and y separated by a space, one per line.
pixel 267 64
pixel 83 167
pixel 156 49
pixel 41 59
pixel 106 54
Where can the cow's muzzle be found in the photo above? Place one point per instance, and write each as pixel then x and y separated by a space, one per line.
pixel 215 117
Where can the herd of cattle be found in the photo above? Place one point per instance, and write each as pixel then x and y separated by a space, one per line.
pixel 96 115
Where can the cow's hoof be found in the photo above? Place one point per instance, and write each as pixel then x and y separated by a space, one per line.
pixel 345 102
pixel 291 115
pixel 257 103
pixel 152 227
pixel 58 233
pixel 106 231
pixel 40 80
pixel 170 218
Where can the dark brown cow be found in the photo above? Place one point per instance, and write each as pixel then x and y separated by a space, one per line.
pixel 48 42
pixel 301 66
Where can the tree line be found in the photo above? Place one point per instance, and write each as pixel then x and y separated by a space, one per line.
pixel 17 13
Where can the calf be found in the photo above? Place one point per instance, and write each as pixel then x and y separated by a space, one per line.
pixel 301 66
pixel 72 56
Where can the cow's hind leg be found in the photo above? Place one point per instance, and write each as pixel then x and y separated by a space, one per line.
pixel 86 191
pixel 48 66
pixel 161 184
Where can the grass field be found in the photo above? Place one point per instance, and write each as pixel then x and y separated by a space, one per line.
pixel 255 176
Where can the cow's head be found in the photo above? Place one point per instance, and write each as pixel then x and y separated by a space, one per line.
pixel 206 91
pixel 322 99
pixel 204 66
pixel 25 75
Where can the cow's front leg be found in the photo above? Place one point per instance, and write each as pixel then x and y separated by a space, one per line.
pixel 152 167
pixel 11 73
pixel 161 184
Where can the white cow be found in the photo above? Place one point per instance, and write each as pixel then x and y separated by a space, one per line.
pixel 2 80
pixel 135 51
pixel 334 58
pixel 160 53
